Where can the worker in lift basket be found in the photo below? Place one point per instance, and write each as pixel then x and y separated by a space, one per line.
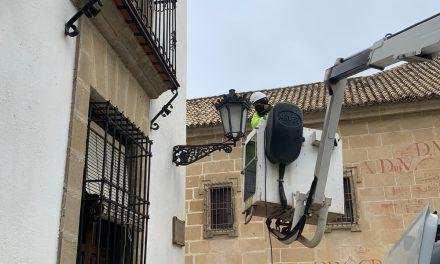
pixel 262 107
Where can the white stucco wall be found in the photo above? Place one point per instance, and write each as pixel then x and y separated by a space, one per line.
pixel 167 190
pixel 36 75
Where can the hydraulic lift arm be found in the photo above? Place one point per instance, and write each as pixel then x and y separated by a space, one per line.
pixel 419 42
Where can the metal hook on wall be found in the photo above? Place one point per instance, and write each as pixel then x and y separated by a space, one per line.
pixel 89 10
pixel 165 111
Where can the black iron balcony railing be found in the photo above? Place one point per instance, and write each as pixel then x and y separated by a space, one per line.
pixel 154 24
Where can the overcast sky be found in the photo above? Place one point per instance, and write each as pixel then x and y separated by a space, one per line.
pixel 255 44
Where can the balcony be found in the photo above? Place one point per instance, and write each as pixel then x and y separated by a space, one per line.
pixel 153 23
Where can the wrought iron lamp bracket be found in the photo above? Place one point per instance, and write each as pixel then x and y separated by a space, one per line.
pixel 187 154
pixel 89 10
pixel 164 112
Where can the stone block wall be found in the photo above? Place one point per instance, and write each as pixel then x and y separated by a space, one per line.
pixel 100 75
pixel 395 150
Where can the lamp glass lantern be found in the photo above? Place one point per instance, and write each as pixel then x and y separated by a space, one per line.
pixel 233 111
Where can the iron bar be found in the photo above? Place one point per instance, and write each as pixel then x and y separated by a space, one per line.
pixel 138 204
pixel 109 205
pixel 143 207
pixel 133 201
pixel 129 201
pixel 148 201
pixel 80 257
pixel 126 188
pixel 117 195
pixel 102 185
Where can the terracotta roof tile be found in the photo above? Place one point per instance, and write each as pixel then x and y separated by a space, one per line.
pixel 405 83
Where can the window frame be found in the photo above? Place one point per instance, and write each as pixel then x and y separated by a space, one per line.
pixel 351 174
pixel 208 231
pixel 116 183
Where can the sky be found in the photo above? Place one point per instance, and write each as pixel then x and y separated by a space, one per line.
pixel 254 44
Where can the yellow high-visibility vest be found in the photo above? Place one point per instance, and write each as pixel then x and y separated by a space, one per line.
pixel 256 119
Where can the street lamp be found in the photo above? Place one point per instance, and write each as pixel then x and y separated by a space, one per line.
pixel 233 111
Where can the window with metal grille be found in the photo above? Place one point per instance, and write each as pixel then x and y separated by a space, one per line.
pixel 115 193
pixel 219 210
pixel 350 218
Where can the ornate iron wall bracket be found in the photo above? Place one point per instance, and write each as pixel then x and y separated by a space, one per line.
pixel 187 154
pixel 165 111
pixel 89 10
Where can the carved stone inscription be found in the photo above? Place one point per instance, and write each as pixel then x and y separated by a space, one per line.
pixel 413 157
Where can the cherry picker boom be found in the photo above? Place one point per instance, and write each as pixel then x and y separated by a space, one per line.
pixel 417 43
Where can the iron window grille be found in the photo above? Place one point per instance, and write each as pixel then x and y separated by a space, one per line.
pixel 219 210
pixel 350 218
pixel 115 193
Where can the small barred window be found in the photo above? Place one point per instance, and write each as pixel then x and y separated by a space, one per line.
pixel 219 209
pixel 350 219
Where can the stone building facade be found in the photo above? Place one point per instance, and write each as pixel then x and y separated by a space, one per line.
pixel 80 109
pixel 115 64
pixel 390 128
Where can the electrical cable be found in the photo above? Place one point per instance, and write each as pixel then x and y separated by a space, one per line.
pixel 302 222
pixel 283 199
pixel 299 227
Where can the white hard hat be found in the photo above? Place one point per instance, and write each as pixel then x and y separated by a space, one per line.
pixel 257 96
